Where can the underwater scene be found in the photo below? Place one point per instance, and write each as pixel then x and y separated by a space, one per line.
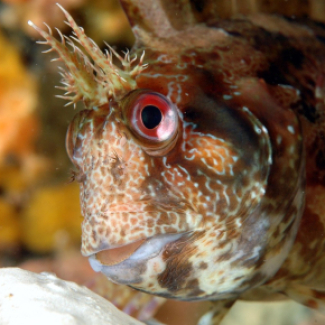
pixel 40 214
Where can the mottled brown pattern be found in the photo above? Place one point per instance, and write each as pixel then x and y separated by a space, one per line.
pixel 241 177
pixel 175 275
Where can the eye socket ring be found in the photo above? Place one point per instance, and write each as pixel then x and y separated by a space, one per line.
pixel 152 117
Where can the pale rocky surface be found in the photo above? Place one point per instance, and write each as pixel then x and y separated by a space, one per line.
pixel 38 299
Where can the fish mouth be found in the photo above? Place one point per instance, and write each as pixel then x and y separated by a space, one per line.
pixel 126 263
pixel 115 256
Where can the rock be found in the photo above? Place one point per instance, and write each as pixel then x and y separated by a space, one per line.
pixel 39 299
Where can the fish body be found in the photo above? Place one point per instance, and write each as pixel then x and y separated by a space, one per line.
pixel 201 164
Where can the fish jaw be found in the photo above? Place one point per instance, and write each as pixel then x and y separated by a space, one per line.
pixel 130 270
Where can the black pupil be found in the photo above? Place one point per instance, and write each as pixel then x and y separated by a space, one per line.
pixel 151 116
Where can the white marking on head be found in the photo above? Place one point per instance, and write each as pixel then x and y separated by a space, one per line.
pixel 291 129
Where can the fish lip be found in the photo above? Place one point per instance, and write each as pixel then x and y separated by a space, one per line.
pixel 146 251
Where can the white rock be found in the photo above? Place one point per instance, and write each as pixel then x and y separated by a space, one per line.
pixel 43 299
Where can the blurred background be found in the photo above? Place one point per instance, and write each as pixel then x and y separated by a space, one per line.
pixel 39 204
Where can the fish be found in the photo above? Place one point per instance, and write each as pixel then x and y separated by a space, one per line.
pixel 200 154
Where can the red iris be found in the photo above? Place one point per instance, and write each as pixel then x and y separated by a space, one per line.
pixel 151 116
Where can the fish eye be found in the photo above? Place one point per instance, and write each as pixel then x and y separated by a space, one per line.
pixel 151 116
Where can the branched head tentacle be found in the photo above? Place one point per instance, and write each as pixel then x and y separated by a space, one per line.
pixel 91 75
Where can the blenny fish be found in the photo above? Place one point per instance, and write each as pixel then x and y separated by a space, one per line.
pixel 201 154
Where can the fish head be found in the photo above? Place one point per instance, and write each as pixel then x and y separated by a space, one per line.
pixel 182 170
pixel 164 174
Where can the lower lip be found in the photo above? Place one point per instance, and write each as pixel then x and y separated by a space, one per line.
pixel 115 256
pixel 140 250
